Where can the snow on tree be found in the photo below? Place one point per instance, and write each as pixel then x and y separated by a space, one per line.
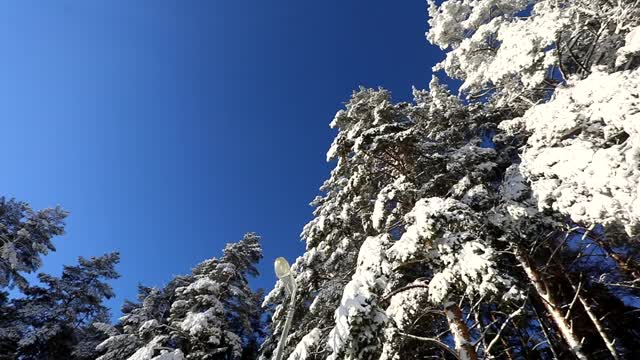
pixel 428 149
pixel 55 319
pixel 306 347
pixel 478 245
pixel 631 48
pixel 518 51
pixel 25 235
pixel 214 312
pixel 491 46
pixel 371 150
pixel 404 307
pixel 142 322
pixel 210 314
pixel 358 307
pixel 583 153
pixel 448 234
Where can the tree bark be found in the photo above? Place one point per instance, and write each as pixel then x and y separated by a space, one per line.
pixel 550 304
pixel 594 319
pixel 460 332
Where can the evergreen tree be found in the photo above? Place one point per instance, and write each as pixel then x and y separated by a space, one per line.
pixel 54 320
pixel 373 136
pixel 25 235
pixel 210 314
pixel 9 328
pixel 467 229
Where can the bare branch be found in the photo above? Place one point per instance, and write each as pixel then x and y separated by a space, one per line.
pixel 433 341
pixel 504 325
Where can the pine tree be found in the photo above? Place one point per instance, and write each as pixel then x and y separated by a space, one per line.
pixel 213 314
pixel 25 235
pixel 449 226
pixel 10 329
pixel 372 150
pixel 54 319
pixel 210 314
pixel 141 322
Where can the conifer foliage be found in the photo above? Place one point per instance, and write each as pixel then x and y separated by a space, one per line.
pixel 55 320
pixel 25 235
pixel 501 223
pixel 210 314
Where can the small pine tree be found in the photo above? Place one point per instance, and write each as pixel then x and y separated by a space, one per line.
pixel 210 314
pixel 25 235
pixel 55 319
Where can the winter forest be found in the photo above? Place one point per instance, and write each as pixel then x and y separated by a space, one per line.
pixel 498 220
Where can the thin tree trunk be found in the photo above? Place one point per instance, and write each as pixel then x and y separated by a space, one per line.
pixel 506 345
pixel 599 327
pixel 594 319
pixel 460 332
pixel 552 307
pixel 478 319
pixel 544 331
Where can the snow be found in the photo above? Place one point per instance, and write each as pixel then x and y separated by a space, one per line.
pixel 631 46
pixel 304 348
pixel 234 341
pixel 146 352
pixel 148 325
pixel 522 44
pixel 514 186
pixel 359 297
pixel 462 262
pixel 108 342
pixel 173 355
pixel 578 158
pixel 10 255
pixel 385 196
pixel 423 227
pixel 204 284
pixel 476 194
pixel 488 44
pixel 473 266
pixel 406 304
pixel 197 322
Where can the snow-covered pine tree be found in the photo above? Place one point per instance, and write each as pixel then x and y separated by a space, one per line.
pixel 54 320
pixel 447 260
pixel 425 150
pixel 563 76
pixel 214 316
pixel 210 314
pixel 451 228
pixel 25 235
pixel 372 149
pixel 141 323
pixel 517 52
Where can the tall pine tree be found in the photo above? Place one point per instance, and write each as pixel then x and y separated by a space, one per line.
pixel 210 314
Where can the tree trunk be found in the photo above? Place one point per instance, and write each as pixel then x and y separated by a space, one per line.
pixel 460 332
pixel 594 319
pixel 552 307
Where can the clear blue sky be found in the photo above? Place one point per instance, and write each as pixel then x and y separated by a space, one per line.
pixel 168 128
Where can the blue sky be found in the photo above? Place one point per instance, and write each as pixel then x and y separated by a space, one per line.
pixel 168 128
